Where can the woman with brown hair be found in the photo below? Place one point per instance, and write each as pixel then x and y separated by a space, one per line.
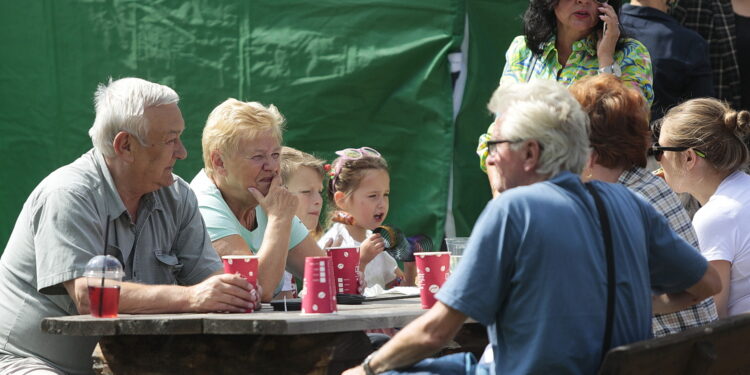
pixel 702 149
pixel 620 139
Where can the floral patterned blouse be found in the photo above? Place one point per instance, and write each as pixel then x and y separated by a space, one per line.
pixel 522 66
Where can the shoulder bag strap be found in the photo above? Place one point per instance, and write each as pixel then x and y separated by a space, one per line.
pixel 607 234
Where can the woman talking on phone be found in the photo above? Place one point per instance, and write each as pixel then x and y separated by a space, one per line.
pixel 565 40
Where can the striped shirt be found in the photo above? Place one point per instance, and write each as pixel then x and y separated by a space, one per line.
pixel 664 200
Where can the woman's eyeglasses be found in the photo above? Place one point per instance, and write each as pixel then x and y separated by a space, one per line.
pixel 658 151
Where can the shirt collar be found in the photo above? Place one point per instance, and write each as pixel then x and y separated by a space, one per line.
pixel 628 177
pixel 114 204
pixel 587 44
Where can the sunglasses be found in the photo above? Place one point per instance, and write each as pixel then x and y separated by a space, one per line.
pixel 358 153
pixel 658 151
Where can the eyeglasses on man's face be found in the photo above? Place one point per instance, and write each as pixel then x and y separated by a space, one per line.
pixel 492 144
pixel 658 151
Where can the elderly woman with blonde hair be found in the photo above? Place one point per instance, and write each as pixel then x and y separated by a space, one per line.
pixel 240 193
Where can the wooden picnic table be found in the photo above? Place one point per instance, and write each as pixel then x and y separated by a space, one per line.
pixel 264 342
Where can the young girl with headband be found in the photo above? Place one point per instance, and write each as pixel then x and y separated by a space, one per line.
pixel 359 188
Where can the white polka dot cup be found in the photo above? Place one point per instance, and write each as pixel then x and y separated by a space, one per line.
pixel 320 295
pixel 345 267
pixel 244 265
pixel 433 269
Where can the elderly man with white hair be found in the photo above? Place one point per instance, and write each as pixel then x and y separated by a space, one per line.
pixel 124 185
pixel 535 270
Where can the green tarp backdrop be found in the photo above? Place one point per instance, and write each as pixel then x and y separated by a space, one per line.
pixel 345 73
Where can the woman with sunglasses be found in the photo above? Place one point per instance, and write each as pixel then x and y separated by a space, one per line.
pixel 702 151
pixel 620 137
pixel 566 40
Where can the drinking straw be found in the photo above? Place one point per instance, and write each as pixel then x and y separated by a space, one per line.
pixel 104 266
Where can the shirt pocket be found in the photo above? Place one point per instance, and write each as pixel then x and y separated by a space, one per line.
pixel 169 266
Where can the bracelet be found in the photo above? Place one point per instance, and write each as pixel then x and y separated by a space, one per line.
pixel 613 69
pixel 366 364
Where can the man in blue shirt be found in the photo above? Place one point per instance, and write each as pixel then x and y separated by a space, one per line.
pixel 534 271
pixel 679 56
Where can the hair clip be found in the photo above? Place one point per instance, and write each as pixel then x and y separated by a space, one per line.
pixel 329 171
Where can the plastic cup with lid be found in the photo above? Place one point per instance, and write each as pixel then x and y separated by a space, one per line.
pixel 104 275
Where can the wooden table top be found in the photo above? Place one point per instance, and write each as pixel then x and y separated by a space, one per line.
pixel 369 315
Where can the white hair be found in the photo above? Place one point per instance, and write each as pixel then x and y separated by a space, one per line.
pixel 547 112
pixel 119 107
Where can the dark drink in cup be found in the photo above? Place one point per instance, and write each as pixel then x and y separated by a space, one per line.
pixel 104 301
pixel 103 277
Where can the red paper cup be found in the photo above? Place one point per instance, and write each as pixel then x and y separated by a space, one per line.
pixel 244 265
pixel 320 294
pixel 433 269
pixel 345 267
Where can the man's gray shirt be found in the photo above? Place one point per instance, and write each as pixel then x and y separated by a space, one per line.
pixel 61 227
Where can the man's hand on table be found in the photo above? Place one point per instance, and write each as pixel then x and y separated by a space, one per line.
pixel 224 292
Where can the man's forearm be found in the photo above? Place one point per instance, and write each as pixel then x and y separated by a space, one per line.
pixel 421 338
pixel 144 299
pixel 669 303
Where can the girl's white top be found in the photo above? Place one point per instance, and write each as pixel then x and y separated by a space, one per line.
pixel 380 270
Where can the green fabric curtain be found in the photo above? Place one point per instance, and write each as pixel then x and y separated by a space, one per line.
pixel 492 26
pixel 344 73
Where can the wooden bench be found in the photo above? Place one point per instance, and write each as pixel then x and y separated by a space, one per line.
pixel 722 347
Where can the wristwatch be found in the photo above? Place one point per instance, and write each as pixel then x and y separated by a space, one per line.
pixel 366 364
pixel 611 69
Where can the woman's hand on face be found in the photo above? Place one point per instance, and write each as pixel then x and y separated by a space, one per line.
pixel 370 248
pixel 605 48
pixel 279 202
